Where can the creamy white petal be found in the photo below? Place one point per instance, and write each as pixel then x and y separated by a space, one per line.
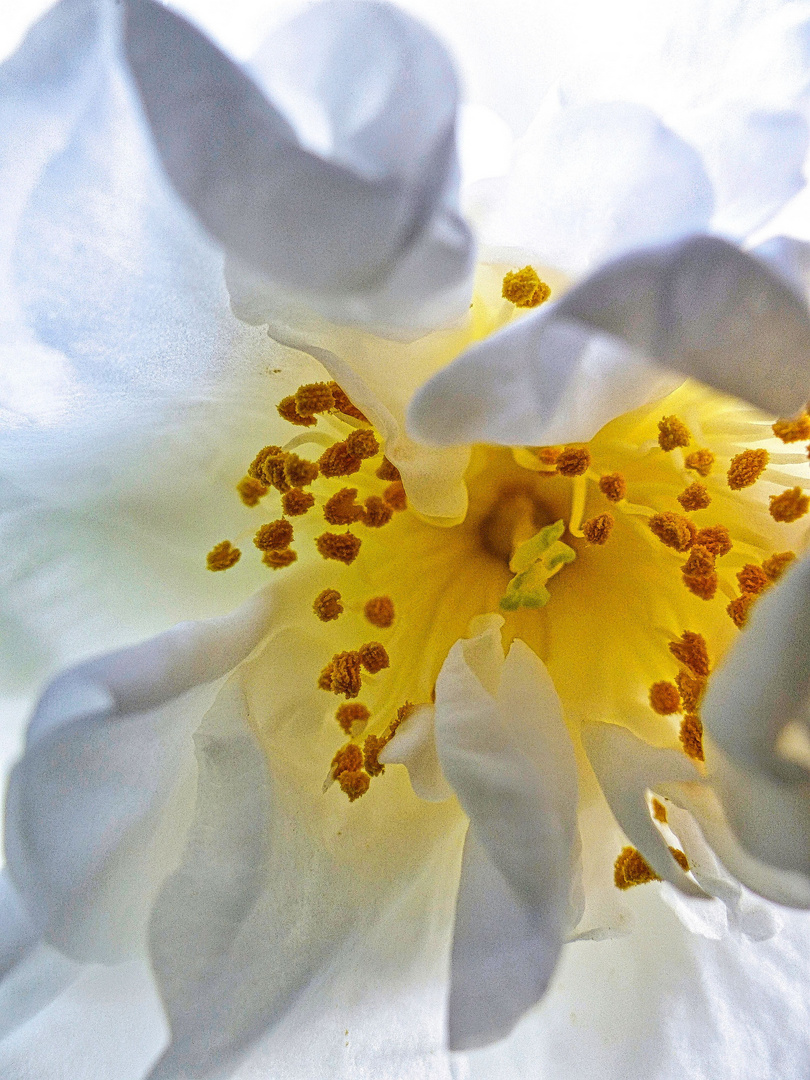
pixel 589 183
pixel 762 686
pixel 88 858
pixel 329 207
pixel 510 761
pixel 790 258
pixel 626 769
pixel 700 306
pixel 414 746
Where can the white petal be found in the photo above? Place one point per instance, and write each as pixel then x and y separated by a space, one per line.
pixel 511 763
pixel 762 685
pixel 360 194
pixel 414 746
pixel 89 858
pixel 626 769
pixel 536 382
pixel 589 183
pixel 708 310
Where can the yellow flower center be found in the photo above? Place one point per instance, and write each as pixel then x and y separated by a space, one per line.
pixel 628 564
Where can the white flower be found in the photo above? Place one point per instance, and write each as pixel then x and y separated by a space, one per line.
pixel 172 854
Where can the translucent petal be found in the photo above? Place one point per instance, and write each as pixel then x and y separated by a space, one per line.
pixel 414 746
pixel 89 858
pixel 329 208
pixel 510 761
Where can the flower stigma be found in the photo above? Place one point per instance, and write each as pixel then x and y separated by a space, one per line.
pixel 628 564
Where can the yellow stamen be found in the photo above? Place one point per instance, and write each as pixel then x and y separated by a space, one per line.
pixel 377 512
pixel 362 444
pixel 277 560
pixel 613 486
pixel 342 509
pixel 352 717
pixel 371 749
pixel 379 611
pixel 664 698
pixel 524 289
pixel 680 859
pixel 573 461
pixel 223 556
pixel 746 468
pixel 387 471
pixel 700 461
pixel 354 784
pixel 373 657
pixel 339 461
pixel 738 609
pixel 395 496
pixel 672 432
pixel 776 565
pixel 274 536
pixel 704 586
pixel 342 674
pixel 673 530
pixel 795 430
pixel 251 490
pixel 288 410
pixel 691 736
pixel 752 579
pixel 715 538
pixel 296 502
pixel 298 472
pixel 327 605
pixel 700 561
pixel 691 690
pixel 691 651
pixel 598 529
pixel 314 398
pixel 343 547
pixel 695 497
pixel 789 506
pixel 659 811
pixel 344 405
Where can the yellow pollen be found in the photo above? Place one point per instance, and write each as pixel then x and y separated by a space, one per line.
pixel 738 609
pixel 704 586
pixel 672 432
pixel 691 690
pixel 631 868
pixel 223 556
pixel 659 811
pixel 339 461
pixel 673 530
pixel 327 605
pixel 298 472
pixel 795 430
pixel 573 461
pixel 789 506
pixel 379 611
pixel 387 471
pixel 251 490
pixel 613 486
pixel 268 467
pixel 680 859
pixel 314 398
pixel 343 547
pixel 348 759
pixel 352 717
pixel 277 560
pixel 342 674
pixel 746 468
pixel 296 502
pixel 776 565
pixel 752 579
pixel 598 529
pixel 524 289
pixel 377 512
pixel 714 538
pixel 700 461
pixel 288 410
pixel 664 698
pixel 342 509
pixel 371 749
pixel 700 561
pixel 548 455
pixel 373 657
pixel 395 496
pixel 695 497
pixel 343 404
pixel 354 784
pixel 274 536
pixel 362 444
pixel 691 736
pixel 691 651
